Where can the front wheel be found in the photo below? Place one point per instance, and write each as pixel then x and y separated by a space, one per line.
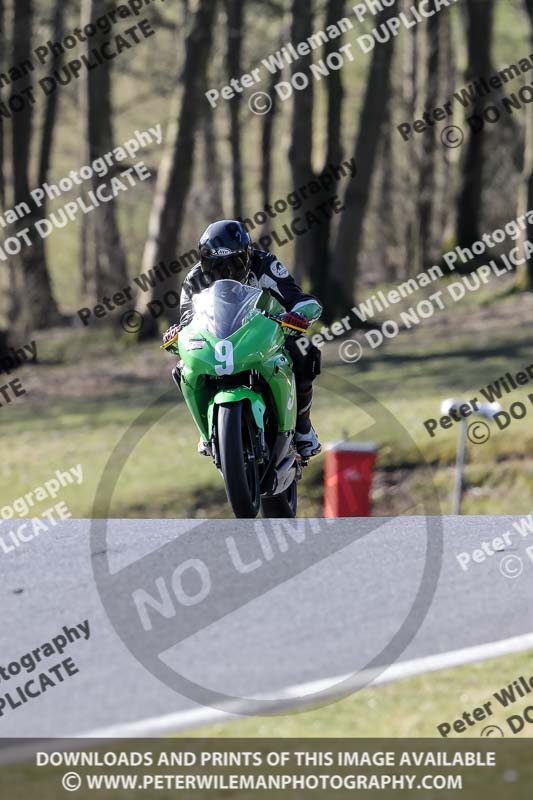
pixel 236 437
pixel 282 506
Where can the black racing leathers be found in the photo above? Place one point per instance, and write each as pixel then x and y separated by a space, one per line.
pixel 266 273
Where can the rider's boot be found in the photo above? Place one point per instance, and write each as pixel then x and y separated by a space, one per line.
pixel 306 439
pixel 204 448
pixel 308 444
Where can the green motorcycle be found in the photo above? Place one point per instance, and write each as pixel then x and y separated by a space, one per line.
pixel 238 383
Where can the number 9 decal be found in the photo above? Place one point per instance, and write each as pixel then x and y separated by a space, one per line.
pixel 224 354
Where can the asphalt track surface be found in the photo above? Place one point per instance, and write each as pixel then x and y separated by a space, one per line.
pixel 327 601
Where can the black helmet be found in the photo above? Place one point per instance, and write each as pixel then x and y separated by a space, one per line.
pixel 226 251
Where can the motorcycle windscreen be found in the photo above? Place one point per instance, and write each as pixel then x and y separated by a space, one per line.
pixel 225 307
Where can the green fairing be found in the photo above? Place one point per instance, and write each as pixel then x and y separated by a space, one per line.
pixel 235 396
pixel 257 345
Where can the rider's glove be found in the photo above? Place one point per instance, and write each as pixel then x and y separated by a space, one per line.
pixel 295 320
pixel 172 332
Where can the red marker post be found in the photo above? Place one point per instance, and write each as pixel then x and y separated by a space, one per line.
pixel 348 479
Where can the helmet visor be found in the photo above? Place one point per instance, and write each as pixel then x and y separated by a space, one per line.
pixel 234 267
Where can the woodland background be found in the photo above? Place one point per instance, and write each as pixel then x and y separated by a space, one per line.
pixel 411 201
pixel 98 393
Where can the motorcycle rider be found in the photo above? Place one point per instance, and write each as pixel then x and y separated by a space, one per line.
pixel 227 251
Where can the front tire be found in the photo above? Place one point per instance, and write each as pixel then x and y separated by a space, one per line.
pixel 236 436
pixel 282 506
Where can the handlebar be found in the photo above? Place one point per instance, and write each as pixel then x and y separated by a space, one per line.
pixel 169 343
pixel 172 341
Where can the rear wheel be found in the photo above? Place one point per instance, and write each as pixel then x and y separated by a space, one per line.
pixel 236 437
pixel 282 506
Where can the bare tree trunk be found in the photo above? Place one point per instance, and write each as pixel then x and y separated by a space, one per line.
pixel 413 58
pixel 87 235
pixel 387 204
pixel 525 273
pixel 235 22
pixel 267 145
pixel 301 149
pixel 445 196
pixel 110 268
pixel 175 173
pixel 427 186
pixel 50 113
pixel 480 23
pixel 212 177
pixel 350 234
pixel 44 311
pixel 215 197
pixel 88 257
pixel 2 128
pixel 320 262
pixel 312 250
pixel 334 155
pixel 5 296
pixel 22 122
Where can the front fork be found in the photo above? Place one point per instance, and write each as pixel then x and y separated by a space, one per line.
pixel 260 450
pixel 176 377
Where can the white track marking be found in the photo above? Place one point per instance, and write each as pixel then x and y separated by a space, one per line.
pixel 305 693
pixel 291 697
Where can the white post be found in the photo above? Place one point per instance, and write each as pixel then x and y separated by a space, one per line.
pixel 459 469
